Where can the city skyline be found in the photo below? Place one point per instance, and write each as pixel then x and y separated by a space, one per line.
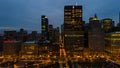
pixel 27 14
pixel 87 38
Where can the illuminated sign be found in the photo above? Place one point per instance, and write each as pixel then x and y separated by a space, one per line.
pixel 8 41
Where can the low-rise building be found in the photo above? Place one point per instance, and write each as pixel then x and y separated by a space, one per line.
pixel 29 50
pixel 112 44
pixel 11 48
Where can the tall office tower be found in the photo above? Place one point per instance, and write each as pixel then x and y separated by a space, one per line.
pixel 73 18
pixel 56 35
pixel 95 36
pixel 44 27
pixel 51 32
pixel 107 25
pixel 86 27
pixel 54 39
pixel 112 44
pixel 73 28
pixel 62 33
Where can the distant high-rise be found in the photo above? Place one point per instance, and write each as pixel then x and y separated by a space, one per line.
pixel 44 27
pixel 73 28
pixel 95 35
pixel 107 25
pixel 54 34
pixel 112 44
pixel 73 17
pixel 51 29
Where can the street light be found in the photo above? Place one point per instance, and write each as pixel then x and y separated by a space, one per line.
pixel 26 65
pixel 8 65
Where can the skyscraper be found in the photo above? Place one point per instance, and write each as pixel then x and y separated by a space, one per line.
pixel 54 34
pixel 107 25
pixel 73 17
pixel 44 27
pixel 51 29
pixel 112 44
pixel 73 28
pixel 95 35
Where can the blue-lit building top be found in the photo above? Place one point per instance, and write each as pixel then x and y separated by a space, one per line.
pixel 44 27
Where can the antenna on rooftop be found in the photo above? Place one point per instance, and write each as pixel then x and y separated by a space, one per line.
pixel 76 2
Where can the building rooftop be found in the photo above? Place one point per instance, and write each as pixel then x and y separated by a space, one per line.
pixel 30 42
pixel 114 32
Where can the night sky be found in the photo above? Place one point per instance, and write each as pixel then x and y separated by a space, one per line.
pixel 16 14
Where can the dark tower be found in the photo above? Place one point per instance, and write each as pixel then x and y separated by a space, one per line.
pixel 73 17
pixel 107 25
pixel 95 35
pixel 44 27
pixel 73 29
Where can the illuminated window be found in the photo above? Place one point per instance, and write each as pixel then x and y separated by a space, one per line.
pixel 43 27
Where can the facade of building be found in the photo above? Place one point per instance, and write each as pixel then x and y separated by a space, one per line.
pixel 44 27
pixel 11 48
pixel 56 35
pixel 46 49
pixel 95 36
pixel 21 35
pixel 29 50
pixel 51 33
pixel 107 25
pixel 112 44
pixel 10 34
pixel 73 18
pixel 73 34
pixel 33 36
